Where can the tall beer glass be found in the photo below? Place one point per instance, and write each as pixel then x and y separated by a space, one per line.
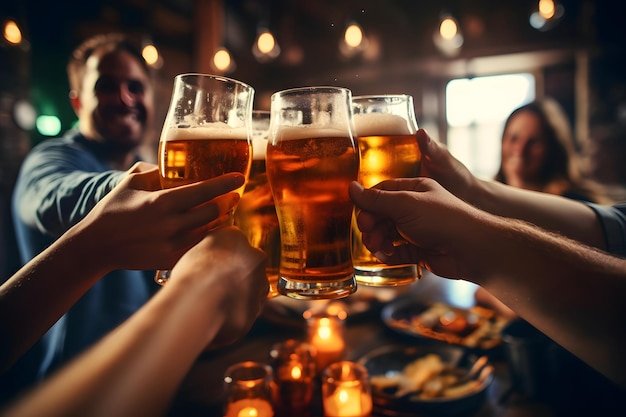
pixel 385 126
pixel 256 214
pixel 311 159
pixel 207 132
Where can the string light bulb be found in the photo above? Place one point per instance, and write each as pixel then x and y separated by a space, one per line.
pixel 353 36
pixel 447 36
pixel 151 55
pixel 353 41
pixel 223 61
pixel 12 33
pixel 547 15
pixel 265 47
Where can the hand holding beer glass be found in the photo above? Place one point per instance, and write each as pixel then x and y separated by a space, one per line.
pixel 385 126
pixel 311 159
pixel 256 214
pixel 206 132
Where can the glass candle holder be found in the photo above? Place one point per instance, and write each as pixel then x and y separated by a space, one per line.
pixel 346 390
pixel 325 332
pixel 293 363
pixel 249 390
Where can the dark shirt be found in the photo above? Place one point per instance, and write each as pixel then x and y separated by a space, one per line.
pixel 613 221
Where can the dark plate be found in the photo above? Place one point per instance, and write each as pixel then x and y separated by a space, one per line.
pixel 477 328
pixel 392 360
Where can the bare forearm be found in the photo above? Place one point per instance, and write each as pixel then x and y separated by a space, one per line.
pixel 135 370
pixel 35 297
pixel 572 293
pixel 558 214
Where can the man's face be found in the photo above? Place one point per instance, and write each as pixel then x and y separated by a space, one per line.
pixel 115 102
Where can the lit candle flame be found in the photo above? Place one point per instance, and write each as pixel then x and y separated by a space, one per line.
pixel 343 396
pixel 296 372
pixel 248 412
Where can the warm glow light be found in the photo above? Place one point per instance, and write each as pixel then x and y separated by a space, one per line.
pixel 448 28
pixel 150 54
pixel 353 35
pixel 343 396
pixel 296 372
pixel 546 9
pixel 266 42
pixel 222 59
pixel 248 412
pixel 324 332
pixel 12 32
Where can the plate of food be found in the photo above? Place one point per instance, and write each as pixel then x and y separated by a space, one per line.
pixel 427 380
pixel 476 327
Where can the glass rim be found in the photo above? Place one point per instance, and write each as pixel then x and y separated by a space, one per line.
pixel 213 76
pixel 376 97
pixel 264 370
pixel 357 369
pixel 312 89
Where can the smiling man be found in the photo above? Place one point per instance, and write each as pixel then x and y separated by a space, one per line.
pixel 62 179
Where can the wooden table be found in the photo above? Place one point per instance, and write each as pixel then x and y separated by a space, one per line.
pixel 200 394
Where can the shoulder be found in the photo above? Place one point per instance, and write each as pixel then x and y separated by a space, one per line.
pixel 69 150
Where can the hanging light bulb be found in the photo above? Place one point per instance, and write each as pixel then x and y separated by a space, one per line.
pixel 223 61
pixel 354 41
pixel 353 36
pixel 448 28
pixel 265 48
pixel 448 37
pixel 151 55
pixel 12 33
pixel 547 15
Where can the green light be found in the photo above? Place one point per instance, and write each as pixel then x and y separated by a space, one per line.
pixel 48 125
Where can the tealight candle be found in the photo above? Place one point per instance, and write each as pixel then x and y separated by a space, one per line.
pixel 326 334
pixel 249 407
pixel 248 386
pixel 346 390
pixel 294 370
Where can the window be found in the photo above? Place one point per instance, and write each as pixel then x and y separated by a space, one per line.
pixel 476 109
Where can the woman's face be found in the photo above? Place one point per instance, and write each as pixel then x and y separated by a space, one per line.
pixel 524 149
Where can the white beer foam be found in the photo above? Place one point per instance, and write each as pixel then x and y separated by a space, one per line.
pixel 308 132
pixel 206 131
pixel 379 124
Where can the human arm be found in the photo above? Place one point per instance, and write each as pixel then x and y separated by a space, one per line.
pixel 217 292
pixel 571 292
pixel 551 212
pixel 136 226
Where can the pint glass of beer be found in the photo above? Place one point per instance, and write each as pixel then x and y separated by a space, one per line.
pixel 256 214
pixel 311 159
pixel 207 132
pixel 385 127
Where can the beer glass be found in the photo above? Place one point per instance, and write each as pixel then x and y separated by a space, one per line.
pixel 311 159
pixel 385 127
pixel 207 132
pixel 256 214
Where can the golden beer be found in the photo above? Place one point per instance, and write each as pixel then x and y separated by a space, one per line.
pixel 194 154
pixel 309 179
pixel 256 214
pixel 388 150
